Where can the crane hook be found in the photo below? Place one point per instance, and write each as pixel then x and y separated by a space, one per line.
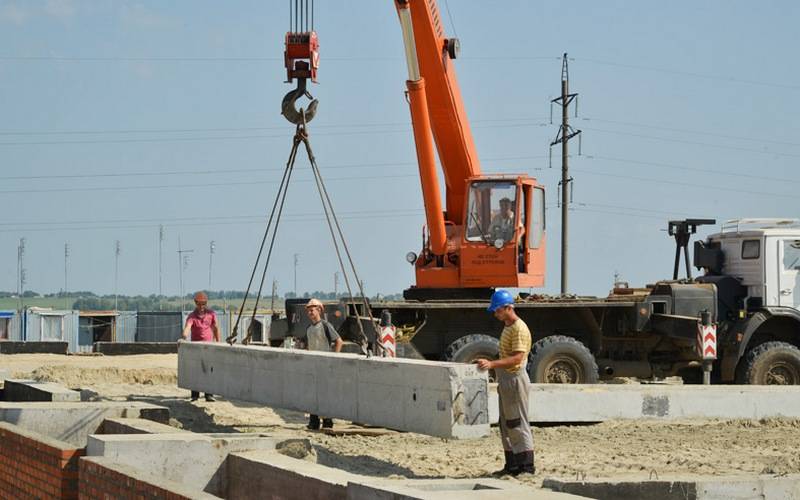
pixel 288 105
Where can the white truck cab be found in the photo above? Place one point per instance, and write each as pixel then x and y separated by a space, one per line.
pixel 764 255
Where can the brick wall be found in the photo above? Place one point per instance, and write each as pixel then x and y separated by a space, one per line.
pixel 102 479
pixel 33 465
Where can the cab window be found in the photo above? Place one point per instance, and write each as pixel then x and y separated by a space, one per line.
pixel 491 211
pixel 537 221
pixel 751 249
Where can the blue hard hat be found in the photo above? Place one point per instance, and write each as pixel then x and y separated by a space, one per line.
pixel 500 298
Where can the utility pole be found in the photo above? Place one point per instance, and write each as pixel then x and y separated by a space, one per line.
pixel 66 255
pixel 336 284
pixel 274 292
pixel 183 262
pixel 211 247
pixel 565 133
pixel 20 272
pixel 295 273
pixel 160 243
pixel 117 250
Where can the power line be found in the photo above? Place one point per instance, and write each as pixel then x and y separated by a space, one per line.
pixel 367 125
pixel 694 143
pixel 185 186
pixel 704 76
pixel 238 170
pixel 726 173
pixel 198 218
pixel 405 129
pixel 693 185
pixel 258 220
pixel 689 131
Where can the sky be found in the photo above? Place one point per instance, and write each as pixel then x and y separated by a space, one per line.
pixel 117 117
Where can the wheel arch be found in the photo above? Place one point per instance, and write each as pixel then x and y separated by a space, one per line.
pixel 771 323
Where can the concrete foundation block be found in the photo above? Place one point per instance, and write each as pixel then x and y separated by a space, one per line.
pixel 255 475
pixel 31 390
pixel 131 348
pixel 195 460
pixel 448 400
pixel 450 489
pixel 134 481
pixel 74 422
pixel 44 347
pixel 601 402
pixel 740 487
pixel 136 426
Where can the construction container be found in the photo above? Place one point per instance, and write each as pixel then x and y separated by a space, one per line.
pixel 106 326
pixel 9 326
pixel 41 324
pixel 158 326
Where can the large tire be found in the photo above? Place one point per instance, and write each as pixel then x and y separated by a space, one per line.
pixel 772 363
pixel 559 359
pixel 471 347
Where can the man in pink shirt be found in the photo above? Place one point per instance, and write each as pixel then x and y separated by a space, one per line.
pixel 203 326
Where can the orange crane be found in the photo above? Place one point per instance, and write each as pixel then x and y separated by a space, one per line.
pixel 491 232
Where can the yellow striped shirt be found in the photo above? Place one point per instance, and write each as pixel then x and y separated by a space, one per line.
pixel 515 338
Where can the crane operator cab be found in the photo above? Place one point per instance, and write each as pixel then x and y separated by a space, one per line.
pixel 501 242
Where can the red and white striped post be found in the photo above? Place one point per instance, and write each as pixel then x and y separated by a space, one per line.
pixel 707 344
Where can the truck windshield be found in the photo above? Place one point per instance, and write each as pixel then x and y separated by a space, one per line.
pixel 491 211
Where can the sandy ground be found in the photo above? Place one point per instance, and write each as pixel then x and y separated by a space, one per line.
pixel 611 449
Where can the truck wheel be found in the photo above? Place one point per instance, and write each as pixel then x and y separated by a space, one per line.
pixel 773 363
pixel 471 347
pixel 559 359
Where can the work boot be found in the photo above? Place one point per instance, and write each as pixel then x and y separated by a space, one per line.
pixel 327 423
pixel 210 398
pixel 524 462
pixel 313 423
pixel 195 396
pixel 510 468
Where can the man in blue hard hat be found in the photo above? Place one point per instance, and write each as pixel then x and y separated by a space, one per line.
pixel 512 386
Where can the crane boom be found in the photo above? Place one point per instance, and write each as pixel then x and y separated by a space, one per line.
pixel 491 232
pixel 448 119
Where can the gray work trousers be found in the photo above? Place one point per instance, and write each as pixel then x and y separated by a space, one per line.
pixel 515 429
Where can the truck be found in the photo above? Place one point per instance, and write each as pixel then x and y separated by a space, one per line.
pixel 490 233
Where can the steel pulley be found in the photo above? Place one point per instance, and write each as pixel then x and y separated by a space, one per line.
pixel 301 58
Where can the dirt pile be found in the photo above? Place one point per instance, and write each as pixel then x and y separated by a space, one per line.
pixel 72 376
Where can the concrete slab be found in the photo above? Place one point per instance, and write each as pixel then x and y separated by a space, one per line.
pixel 451 489
pixel 195 460
pixel 600 402
pixel 31 390
pixel 258 474
pixel 73 422
pixel 136 426
pixel 448 400
pixel 130 348
pixel 741 487
pixel 255 475
pixel 44 347
pixel 172 489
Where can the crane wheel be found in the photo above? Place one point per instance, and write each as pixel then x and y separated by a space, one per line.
pixel 772 363
pixel 559 359
pixel 471 347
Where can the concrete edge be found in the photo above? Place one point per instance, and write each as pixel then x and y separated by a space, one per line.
pixel 151 479
pixel 123 425
pixel 36 436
